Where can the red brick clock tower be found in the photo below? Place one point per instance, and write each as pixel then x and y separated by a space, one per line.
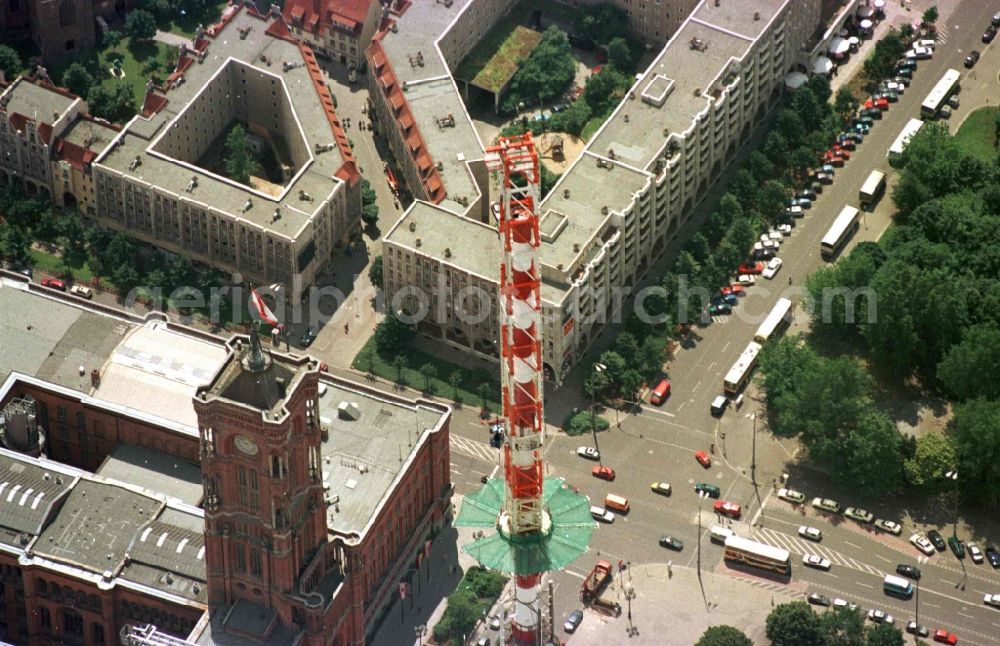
pixel 265 516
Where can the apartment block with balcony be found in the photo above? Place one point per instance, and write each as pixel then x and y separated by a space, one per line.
pixel 163 179
pixel 637 182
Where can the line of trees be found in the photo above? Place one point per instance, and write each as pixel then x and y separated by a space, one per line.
pixel 925 305
pixel 795 624
pixel 544 75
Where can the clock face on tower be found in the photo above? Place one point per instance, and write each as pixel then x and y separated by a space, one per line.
pixel 245 445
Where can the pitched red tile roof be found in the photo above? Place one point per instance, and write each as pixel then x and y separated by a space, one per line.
pixel 321 15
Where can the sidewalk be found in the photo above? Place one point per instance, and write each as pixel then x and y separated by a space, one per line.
pixel 438 578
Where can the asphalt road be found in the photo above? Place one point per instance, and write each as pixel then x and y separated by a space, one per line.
pixel 657 444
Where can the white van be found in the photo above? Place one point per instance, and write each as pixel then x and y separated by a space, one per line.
pixel 719 534
pixel 602 514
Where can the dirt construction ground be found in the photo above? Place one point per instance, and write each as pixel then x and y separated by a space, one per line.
pixel 572 147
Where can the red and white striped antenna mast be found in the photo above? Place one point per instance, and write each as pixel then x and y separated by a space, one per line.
pixel 514 161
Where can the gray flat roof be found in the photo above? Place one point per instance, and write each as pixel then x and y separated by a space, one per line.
pixel 154 471
pixel 748 19
pixel 89 133
pixel 317 180
pixel 363 457
pixel 28 494
pixel 38 103
pixel 451 146
pixel 95 525
pixel 43 337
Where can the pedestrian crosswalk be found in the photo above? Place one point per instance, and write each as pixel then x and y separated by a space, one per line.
pixel 472 448
pixel 799 546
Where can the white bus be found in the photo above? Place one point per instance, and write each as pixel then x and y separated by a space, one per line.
pixel 929 108
pixel 910 129
pixel 843 228
pixel 758 555
pixel 739 374
pixel 872 189
pixel 779 317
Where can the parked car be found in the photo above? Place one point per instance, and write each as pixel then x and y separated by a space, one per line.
pixel 992 600
pixel 923 544
pixel 82 291
pixel 818 599
pixel 953 102
pixel 792 496
pixel 710 490
pixel 720 309
pixel 727 299
pixel 746 280
pixel 945 112
pixel 842 603
pixel 975 553
pixel 588 452
pixel 825 504
pixel 495 622
pixel 934 536
pixel 812 533
pixel 661 488
pixel 794 211
pixel 880 616
pixel 919 53
pixel 957 547
pixel 54 283
pixel 734 290
pixel 993 555
pixel 995 21
pixel 806 194
pixel 750 268
pixel 660 393
pixel 818 562
pixel 672 543
pixel 785 229
pixel 825 178
pixel 945 637
pixel 858 514
pixel 990 34
pixel 602 514
pixel 703 459
pixel 889 527
pixel 772 268
pixel 972 58
pixel 909 571
pixel 726 508
pixel 573 621
pixel 919 630
pixel 308 336
pixel 603 472
pixel 889 95
pixel 482 641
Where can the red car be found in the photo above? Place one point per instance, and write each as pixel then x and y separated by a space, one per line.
pixel 703 459
pixel 660 393
pixel 833 160
pixel 945 637
pixel 54 283
pixel 738 290
pixel 846 144
pixel 727 508
pixel 842 152
pixel 750 268
pixel 604 473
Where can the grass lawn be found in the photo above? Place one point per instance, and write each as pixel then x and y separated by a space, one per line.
pixel 47 263
pixel 187 24
pixel 495 59
pixel 471 379
pixel 977 135
pixel 592 126
pixel 139 61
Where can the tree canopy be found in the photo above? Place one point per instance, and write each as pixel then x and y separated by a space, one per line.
pixel 240 163
pixel 723 636
pixel 545 74
pixel 140 25
pixel 10 62
pixel 793 624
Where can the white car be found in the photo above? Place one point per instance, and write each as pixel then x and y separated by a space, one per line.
pixel 81 291
pixel 785 229
pixel 842 603
pixel 792 495
pixel 772 268
pixel 776 236
pixel 992 600
pixel 975 553
pixel 825 504
pixel 812 533
pixel 859 514
pixel 746 279
pixel 888 526
pixel 893 86
pixel 880 616
pixel 923 544
pixel 588 452
pixel 602 514
pixel 919 53
pixel 811 560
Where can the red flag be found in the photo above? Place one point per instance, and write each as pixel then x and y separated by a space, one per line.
pixel 402 590
pixel 265 314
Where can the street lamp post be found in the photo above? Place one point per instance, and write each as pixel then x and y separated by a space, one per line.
pixel 917 618
pixel 953 476
pixel 421 630
pixel 753 451
pixel 701 496
pixel 599 368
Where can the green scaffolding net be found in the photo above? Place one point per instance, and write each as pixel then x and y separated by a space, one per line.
pixel 569 537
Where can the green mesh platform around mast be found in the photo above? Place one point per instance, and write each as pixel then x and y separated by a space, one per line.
pixel 572 526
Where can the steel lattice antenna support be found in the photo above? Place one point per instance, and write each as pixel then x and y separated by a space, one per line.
pixel 515 164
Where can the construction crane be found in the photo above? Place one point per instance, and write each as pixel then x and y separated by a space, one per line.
pixel 539 523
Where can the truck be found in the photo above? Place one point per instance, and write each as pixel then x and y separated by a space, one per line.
pixel 595 581
pixel 872 189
